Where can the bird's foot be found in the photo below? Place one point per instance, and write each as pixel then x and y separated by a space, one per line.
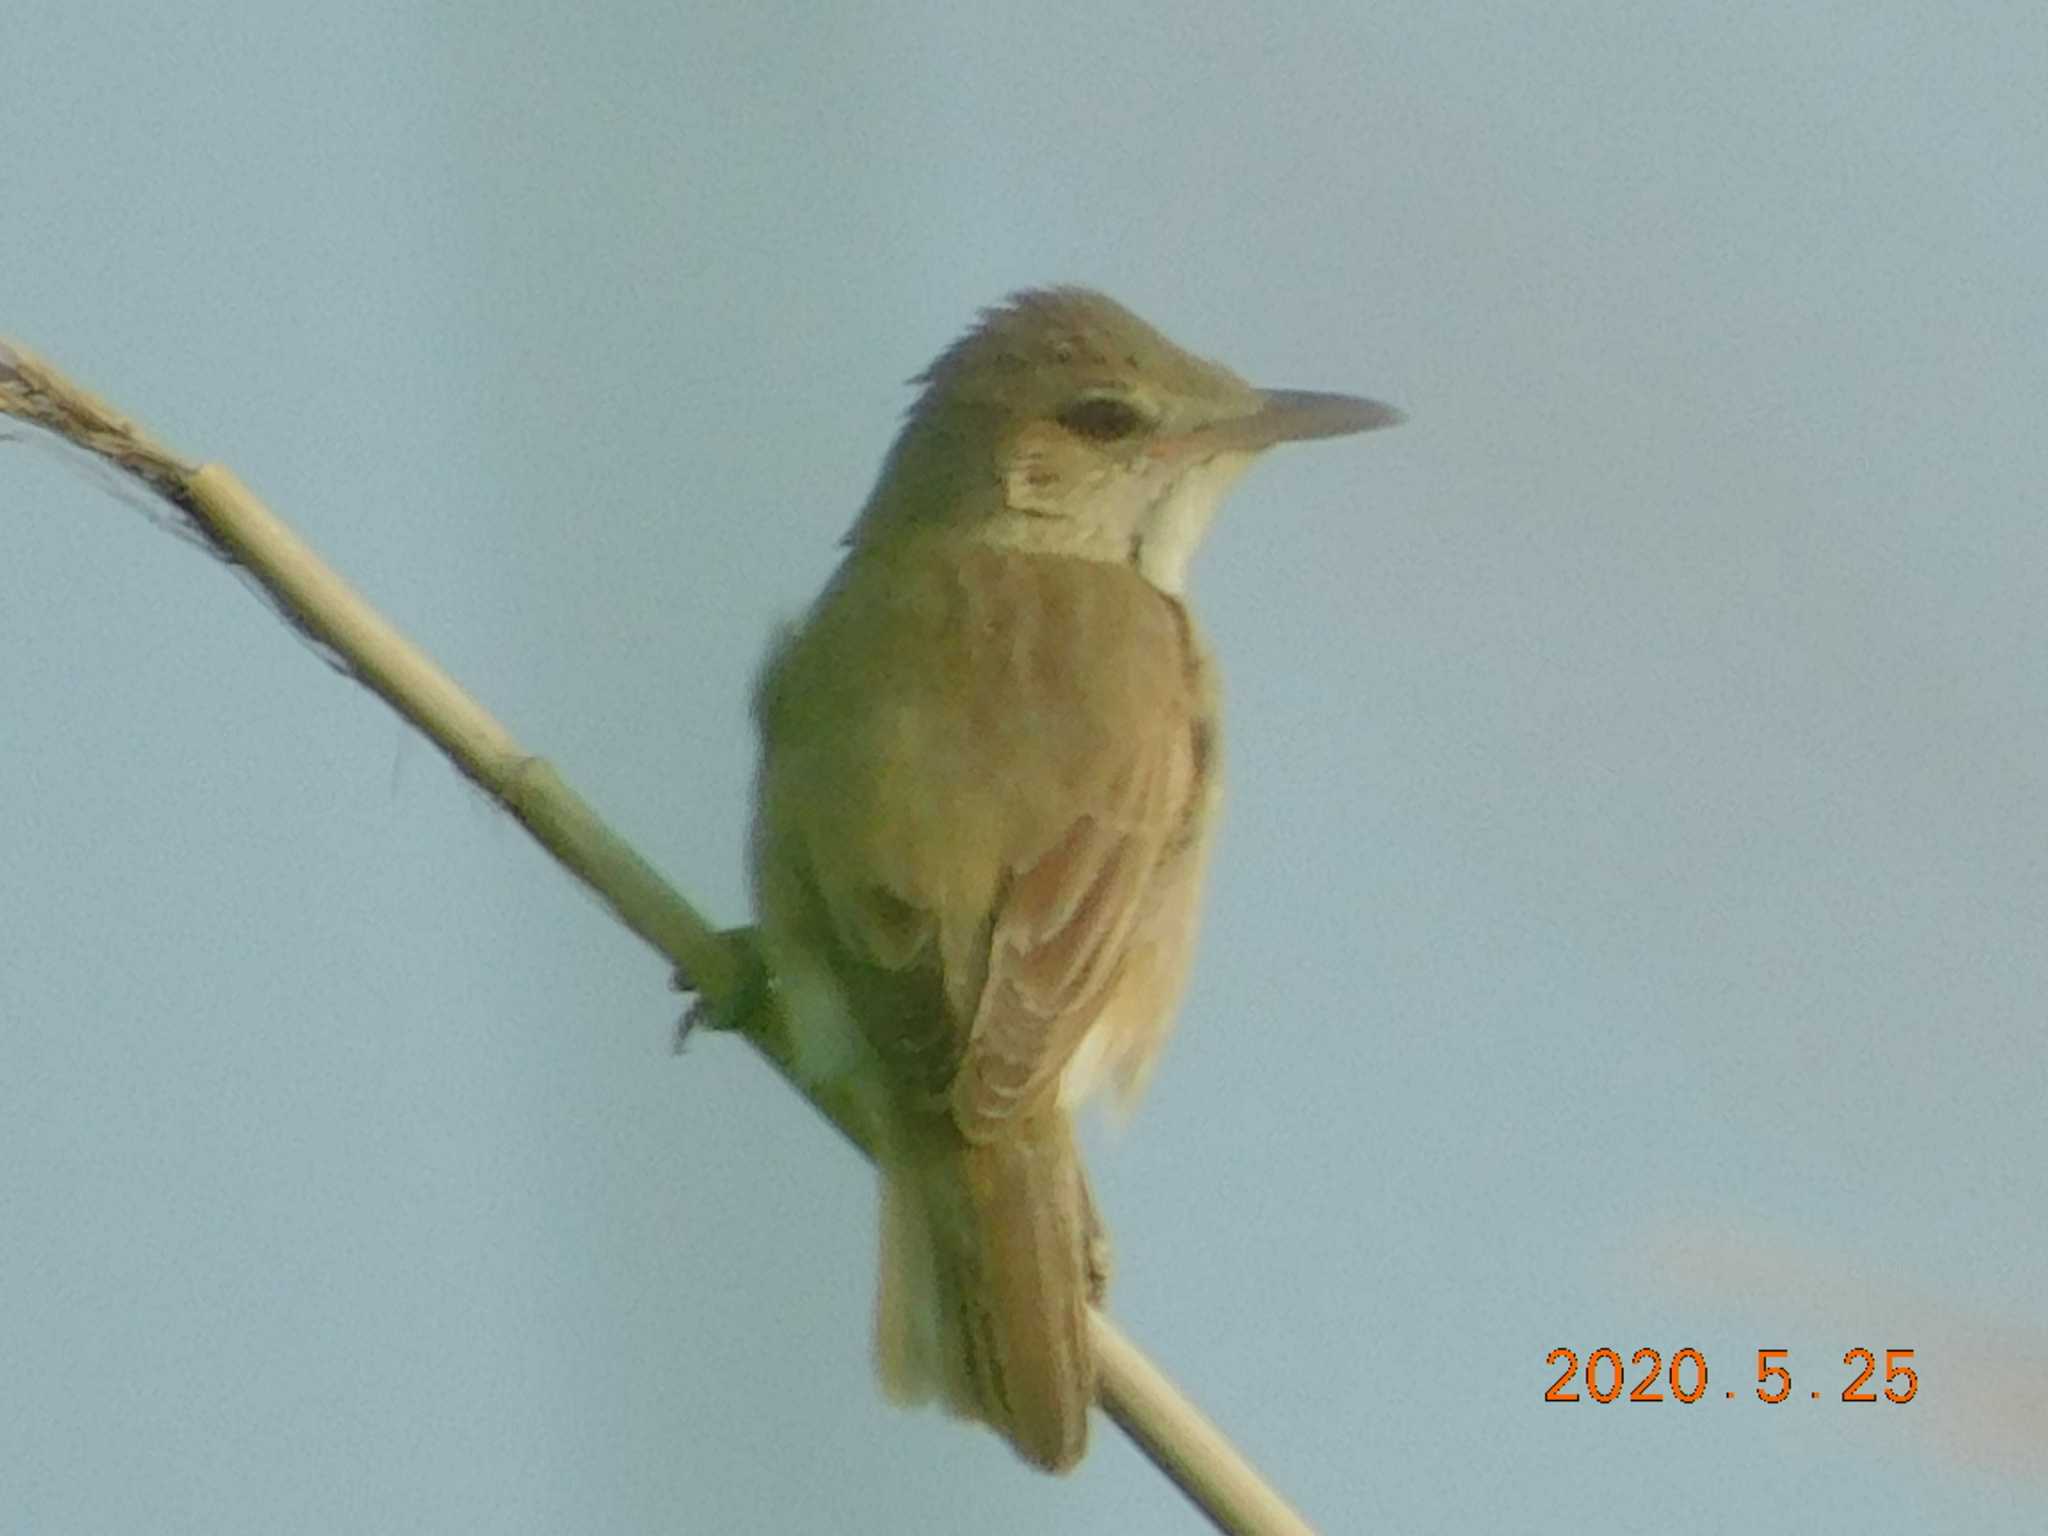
pixel 734 1012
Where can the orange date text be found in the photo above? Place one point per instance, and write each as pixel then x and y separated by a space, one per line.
pixel 1606 1379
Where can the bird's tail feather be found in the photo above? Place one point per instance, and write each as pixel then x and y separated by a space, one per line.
pixel 985 1284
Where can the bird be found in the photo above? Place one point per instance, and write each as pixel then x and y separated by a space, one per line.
pixel 988 775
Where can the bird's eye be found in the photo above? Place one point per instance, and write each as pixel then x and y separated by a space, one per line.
pixel 1104 418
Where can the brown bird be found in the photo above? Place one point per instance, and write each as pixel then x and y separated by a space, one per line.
pixel 988 774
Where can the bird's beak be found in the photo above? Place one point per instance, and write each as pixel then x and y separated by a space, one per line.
pixel 1292 415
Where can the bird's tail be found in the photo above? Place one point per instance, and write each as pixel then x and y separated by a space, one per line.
pixel 988 1265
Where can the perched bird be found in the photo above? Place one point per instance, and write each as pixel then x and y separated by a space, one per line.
pixel 988 775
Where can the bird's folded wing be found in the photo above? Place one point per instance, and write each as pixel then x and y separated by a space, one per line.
pixel 1063 926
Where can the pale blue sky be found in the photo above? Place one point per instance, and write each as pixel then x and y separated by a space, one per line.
pixel 1628 926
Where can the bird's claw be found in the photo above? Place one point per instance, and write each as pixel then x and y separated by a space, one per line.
pixel 736 1009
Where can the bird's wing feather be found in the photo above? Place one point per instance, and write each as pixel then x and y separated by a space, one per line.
pixel 1063 928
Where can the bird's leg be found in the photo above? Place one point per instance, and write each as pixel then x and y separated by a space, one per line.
pixel 737 1009
pixel 1094 1240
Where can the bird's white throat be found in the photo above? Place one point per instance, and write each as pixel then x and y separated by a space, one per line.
pixel 1174 524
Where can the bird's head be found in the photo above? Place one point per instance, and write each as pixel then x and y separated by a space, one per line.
pixel 1063 423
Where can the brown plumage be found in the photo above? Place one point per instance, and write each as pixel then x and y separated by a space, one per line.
pixel 989 763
